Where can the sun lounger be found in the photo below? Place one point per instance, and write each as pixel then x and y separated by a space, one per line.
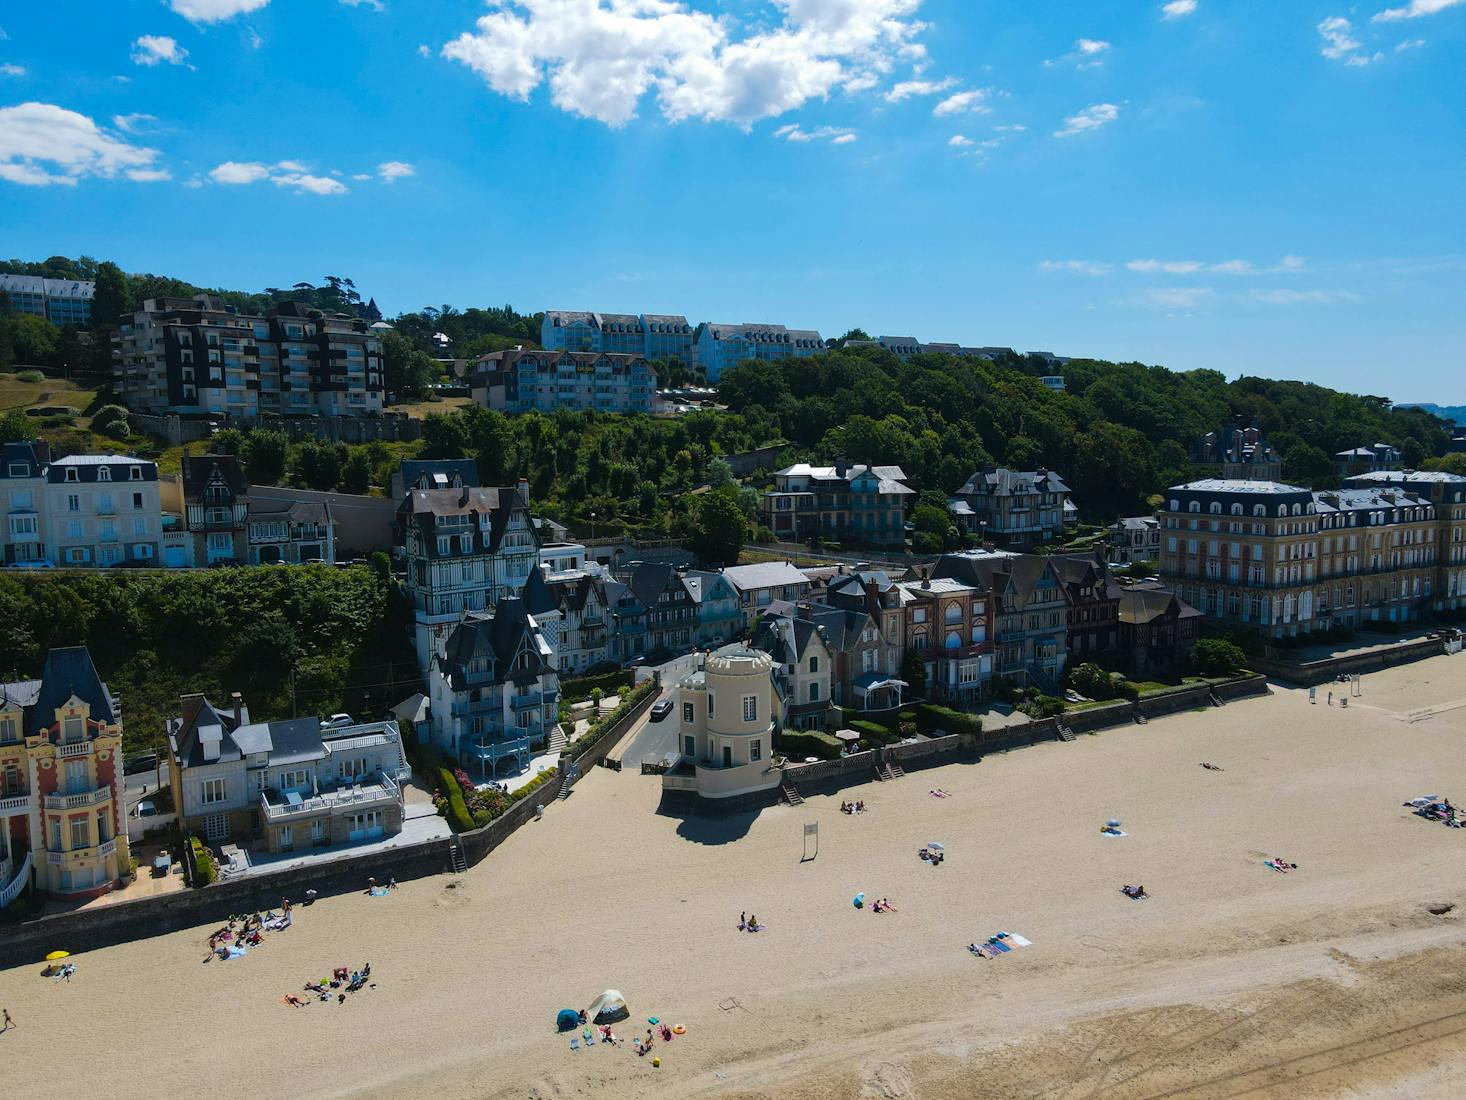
pixel 575 1045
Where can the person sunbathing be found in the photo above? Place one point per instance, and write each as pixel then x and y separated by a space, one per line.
pixel 860 807
pixel 295 1002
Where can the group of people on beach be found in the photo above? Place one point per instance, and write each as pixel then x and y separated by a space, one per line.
pixel 342 981
pixel 1438 809
pixel 852 807
pixel 1136 892
pixel 931 855
pixel 747 923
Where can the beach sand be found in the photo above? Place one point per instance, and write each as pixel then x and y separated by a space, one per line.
pixel 1331 980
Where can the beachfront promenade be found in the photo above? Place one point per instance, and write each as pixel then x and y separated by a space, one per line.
pixel 1228 969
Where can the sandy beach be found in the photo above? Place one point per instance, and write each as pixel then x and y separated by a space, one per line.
pixel 1334 979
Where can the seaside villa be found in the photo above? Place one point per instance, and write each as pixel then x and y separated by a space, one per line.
pixel 726 737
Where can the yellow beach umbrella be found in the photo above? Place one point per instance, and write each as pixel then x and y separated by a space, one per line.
pixel 54 955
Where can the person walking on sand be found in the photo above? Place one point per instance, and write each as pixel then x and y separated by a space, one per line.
pixel 9 1023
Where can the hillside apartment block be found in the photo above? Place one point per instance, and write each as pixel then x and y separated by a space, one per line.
pixel 60 301
pixel 864 503
pixel 524 381
pixel 201 356
pixel 1286 561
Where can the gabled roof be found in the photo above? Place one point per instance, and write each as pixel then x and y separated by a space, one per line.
pixel 999 481
pixel 768 574
pixel 439 472
pixel 498 638
pixel 200 470
pixel 1145 605
pixel 32 455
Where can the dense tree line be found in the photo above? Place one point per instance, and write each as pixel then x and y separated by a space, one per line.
pixel 1121 432
pixel 338 635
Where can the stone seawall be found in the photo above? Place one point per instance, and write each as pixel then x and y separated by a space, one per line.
pixel 104 925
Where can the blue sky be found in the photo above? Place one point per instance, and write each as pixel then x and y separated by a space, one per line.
pixel 1273 188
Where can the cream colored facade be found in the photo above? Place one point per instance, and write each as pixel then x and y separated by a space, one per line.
pixel 726 735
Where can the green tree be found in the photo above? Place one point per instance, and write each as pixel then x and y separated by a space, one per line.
pixel 356 474
pixel 1217 657
pixel 113 297
pixel 318 464
pixel 16 426
pixel 409 370
pixel 264 453
pixel 36 340
pixel 1454 463
pixel 913 671
pixel 719 529
pixel 226 441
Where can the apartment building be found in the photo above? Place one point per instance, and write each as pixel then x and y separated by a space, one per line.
pixel 649 335
pixel 1365 460
pixel 1447 492
pixel 1029 613
pixel 1018 508
pixel 226 525
pixel 1135 539
pixel 1093 622
pixel 1377 556
pixel 571 608
pixel 467 549
pixel 1243 453
pixel 760 584
pixel 63 828
pixel 869 638
pixel 200 355
pixel 949 624
pixel 60 301
pixel 1243 552
pixel 524 381
pixel 288 785
pixel 843 501
pixel 495 691
pixel 721 347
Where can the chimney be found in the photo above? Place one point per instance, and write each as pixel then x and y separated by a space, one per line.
pixel 872 589
pixel 926 579
pixel 841 466
pixel 236 701
pixel 523 486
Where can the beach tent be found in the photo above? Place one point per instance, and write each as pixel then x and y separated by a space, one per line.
pixel 567 1019
pixel 609 1007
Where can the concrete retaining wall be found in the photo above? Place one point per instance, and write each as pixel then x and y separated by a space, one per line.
pixel 104 925
pixel 1310 673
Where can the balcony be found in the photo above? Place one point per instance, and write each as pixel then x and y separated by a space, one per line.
pixel 378 791
pixel 15 804
pixel 491 705
pixel 77 801
pixel 526 700
pixel 74 748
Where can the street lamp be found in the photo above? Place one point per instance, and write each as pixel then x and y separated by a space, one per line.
pixel 593 527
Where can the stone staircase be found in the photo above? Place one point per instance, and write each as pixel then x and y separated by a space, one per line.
pixel 456 857
pixel 791 794
pixel 557 739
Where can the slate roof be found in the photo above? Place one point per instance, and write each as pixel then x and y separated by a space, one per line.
pixel 998 481
pixel 412 471
pixel 1145 605
pixel 768 574
pixel 198 470
pixel 34 456
pixel 87 467
pixel 499 638
pixel 69 671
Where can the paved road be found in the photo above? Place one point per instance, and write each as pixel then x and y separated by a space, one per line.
pixel 653 738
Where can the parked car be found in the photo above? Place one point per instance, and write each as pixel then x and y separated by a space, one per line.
pixel 147 762
pixel 145 808
pixel 337 721
pixel 660 709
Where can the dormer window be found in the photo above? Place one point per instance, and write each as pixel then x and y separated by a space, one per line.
pixel 73 730
pixel 72 474
pixel 104 474
pixel 19 469
pixel 134 473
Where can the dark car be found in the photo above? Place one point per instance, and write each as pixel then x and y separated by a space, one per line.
pixel 146 763
pixel 660 709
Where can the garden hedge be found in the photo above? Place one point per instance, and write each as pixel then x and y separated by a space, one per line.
pixel 797 744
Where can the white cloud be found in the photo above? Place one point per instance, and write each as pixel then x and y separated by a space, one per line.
pixel 362 177
pixel 254 38
pixel 290 166
pixel 233 171
pixel 909 88
pixel 155 49
pixel 393 170
pixel 836 135
pixel 316 185
pixel 1177 8
pixel 1078 267
pixel 375 5
pixel 214 11
pixel 1091 118
pixel 1409 44
pixel 12 70
pixel 1415 9
pixel 601 57
pixel 1091 46
pixel 959 141
pixel 1302 297
pixel 43 144
pixel 962 102
pixel 1339 43
pixel 424 51
pixel 131 124
pixel 149 175
pixel 1014 129
pixel 1286 265
pixel 1174 297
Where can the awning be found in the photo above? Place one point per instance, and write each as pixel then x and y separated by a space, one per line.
pixel 874 681
pixel 847 735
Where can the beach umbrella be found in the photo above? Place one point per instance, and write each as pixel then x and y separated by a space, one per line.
pixel 936 846
pixel 54 955
pixel 1113 823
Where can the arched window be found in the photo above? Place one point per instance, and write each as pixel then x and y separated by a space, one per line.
pixel 1236 509
pixel 1195 506
pixel 1175 505
pixel 954 640
pixel 953 614
pixel 1216 508
pixel 1259 511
